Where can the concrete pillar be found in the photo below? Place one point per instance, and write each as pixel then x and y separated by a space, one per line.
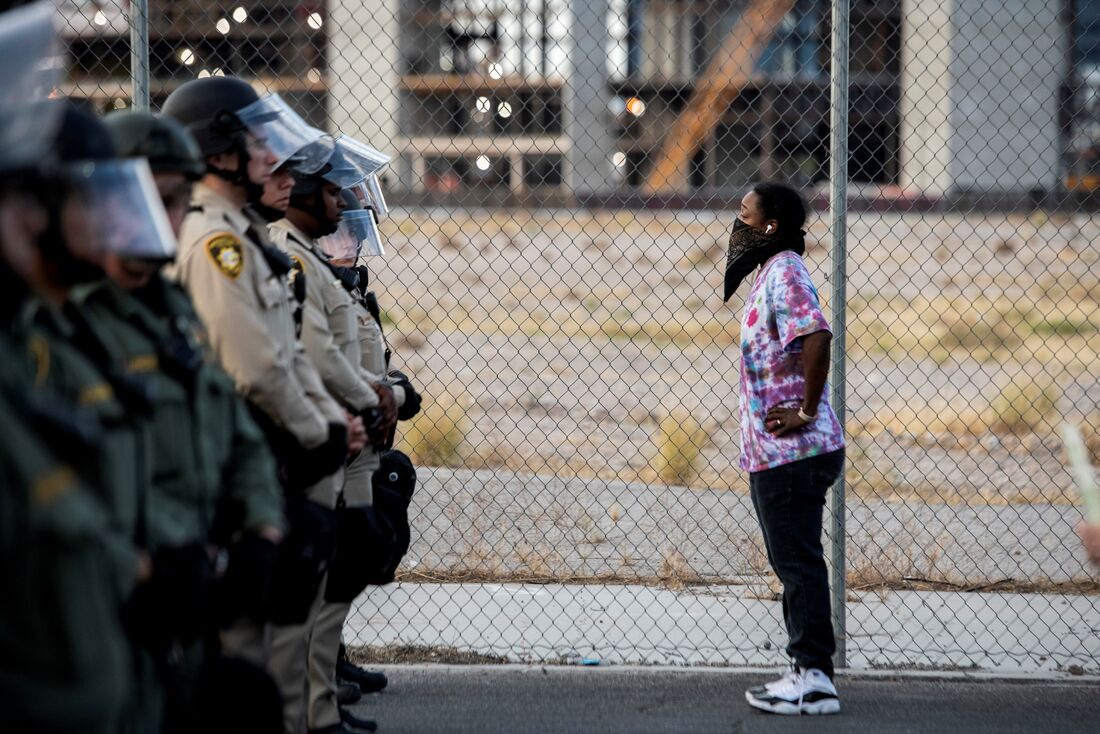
pixel 980 95
pixel 364 71
pixel 586 97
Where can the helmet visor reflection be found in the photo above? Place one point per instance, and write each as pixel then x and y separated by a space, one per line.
pixel 367 159
pixel 126 214
pixel 356 236
pixel 286 134
pixel 30 65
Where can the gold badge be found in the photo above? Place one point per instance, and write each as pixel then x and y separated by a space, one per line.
pixel 51 485
pixel 298 269
pixel 227 253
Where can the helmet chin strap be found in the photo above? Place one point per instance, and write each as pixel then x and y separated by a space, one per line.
pixel 313 205
pixel 240 176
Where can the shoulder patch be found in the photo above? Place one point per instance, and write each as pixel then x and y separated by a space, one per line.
pixel 39 350
pixel 298 268
pixel 227 252
pixel 143 363
pixel 52 484
pixel 94 394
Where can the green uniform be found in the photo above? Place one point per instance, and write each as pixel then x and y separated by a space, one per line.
pixel 207 457
pixel 119 471
pixel 205 448
pixel 64 662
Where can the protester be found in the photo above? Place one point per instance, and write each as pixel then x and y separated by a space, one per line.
pixel 792 444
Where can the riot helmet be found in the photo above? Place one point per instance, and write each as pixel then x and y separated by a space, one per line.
pixel 161 140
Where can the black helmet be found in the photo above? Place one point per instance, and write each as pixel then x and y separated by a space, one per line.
pixel 207 108
pixel 308 183
pixel 161 140
pixel 340 170
pixel 351 200
pixel 81 136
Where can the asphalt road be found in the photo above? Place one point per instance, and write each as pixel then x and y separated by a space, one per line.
pixel 514 699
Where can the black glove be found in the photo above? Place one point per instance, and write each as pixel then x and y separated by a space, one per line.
pixel 245 590
pixel 309 466
pixel 413 400
pixel 174 604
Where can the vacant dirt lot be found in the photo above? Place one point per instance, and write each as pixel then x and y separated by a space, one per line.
pixel 558 342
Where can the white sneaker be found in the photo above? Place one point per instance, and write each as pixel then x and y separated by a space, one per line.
pixel 798 692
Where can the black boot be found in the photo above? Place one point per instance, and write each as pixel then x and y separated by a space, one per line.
pixel 356 722
pixel 347 693
pixel 368 681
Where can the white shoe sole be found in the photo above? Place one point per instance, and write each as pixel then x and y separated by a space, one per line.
pixel 785 708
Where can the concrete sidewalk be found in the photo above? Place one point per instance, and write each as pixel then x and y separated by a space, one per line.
pixel 730 625
pixel 519 699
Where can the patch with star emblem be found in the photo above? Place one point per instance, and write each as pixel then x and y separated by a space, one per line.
pixel 298 268
pixel 227 252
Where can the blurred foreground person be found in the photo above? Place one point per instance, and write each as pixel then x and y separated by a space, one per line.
pixel 213 490
pixel 792 444
pixel 63 653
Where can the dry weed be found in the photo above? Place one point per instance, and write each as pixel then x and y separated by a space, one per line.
pixel 437 435
pixel 680 443
pixel 1025 403
pixel 676 571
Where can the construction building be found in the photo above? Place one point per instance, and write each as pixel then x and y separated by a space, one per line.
pixel 501 100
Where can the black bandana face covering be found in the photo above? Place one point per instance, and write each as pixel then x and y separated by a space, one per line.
pixel 750 248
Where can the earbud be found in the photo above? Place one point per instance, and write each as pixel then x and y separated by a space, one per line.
pixel 768 230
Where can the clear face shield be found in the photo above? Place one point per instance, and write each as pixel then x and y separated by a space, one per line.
pixel 123 208
pixel 283 132
pixel 376 199
pixel 356 236
pixel 30 65
pixel 362 156
pixel 343 171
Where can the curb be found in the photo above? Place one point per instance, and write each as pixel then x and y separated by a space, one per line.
pixel 970 676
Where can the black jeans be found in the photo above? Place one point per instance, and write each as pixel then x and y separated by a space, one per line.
pixel 790 502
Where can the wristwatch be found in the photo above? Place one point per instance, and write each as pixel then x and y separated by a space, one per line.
pixel 807 418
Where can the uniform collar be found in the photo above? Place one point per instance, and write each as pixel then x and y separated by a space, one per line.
pixel 210 201
pixel 292 231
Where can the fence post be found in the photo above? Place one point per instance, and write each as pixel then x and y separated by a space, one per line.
pixel 139 54
pixel 838 222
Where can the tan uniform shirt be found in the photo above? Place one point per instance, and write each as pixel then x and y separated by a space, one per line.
pixel 372 358
pixel 328 325
pixel 248 313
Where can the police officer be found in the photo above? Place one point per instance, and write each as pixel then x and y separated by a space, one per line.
pixel 81 200
pixel 213 481
pixel 70 674
pixel 329 335
pixel 358 233
pixel 237 282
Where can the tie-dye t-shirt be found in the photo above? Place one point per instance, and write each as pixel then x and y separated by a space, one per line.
pixel 782 308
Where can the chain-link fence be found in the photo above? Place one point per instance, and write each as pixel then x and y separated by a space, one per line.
pixel 566 173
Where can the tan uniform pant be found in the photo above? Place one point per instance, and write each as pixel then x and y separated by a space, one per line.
pixel 245 639
pixel 324 648
pixel 288 646
pixel 324 643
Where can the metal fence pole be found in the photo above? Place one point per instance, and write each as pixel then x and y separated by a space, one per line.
pixel 139 53
pixel 838 216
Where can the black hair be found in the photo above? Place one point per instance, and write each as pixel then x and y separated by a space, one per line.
pixel 783 204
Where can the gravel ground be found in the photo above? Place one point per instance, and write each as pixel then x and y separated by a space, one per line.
pixel 498 523
pixel 566 337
